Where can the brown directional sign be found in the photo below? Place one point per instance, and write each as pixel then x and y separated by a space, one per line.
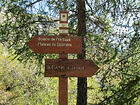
pixel 69 68
pixel 56 44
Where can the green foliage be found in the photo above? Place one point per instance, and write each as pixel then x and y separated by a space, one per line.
pixel 20 85
pixel 17 28
pixel 115 52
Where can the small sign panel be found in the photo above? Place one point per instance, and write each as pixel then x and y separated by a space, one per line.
pixel 56 44
pixel 70 68
pixel 63 17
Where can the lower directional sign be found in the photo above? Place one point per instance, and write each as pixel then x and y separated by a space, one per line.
pixel 70 68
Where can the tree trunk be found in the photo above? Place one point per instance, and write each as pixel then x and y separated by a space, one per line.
pixel 82 82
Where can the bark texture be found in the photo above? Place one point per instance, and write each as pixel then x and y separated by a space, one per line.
pixel 82 82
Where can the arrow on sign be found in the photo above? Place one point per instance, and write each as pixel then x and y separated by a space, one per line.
pixel 56 44
pixel 70 68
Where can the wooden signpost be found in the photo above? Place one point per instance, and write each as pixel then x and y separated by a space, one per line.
pixel 63 67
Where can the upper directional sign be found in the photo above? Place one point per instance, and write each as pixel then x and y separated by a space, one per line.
pixel 70 68
pixel 56 44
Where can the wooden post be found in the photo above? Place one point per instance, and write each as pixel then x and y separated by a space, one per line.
pixel 63 85
pixel 63 81
pixel 63 90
